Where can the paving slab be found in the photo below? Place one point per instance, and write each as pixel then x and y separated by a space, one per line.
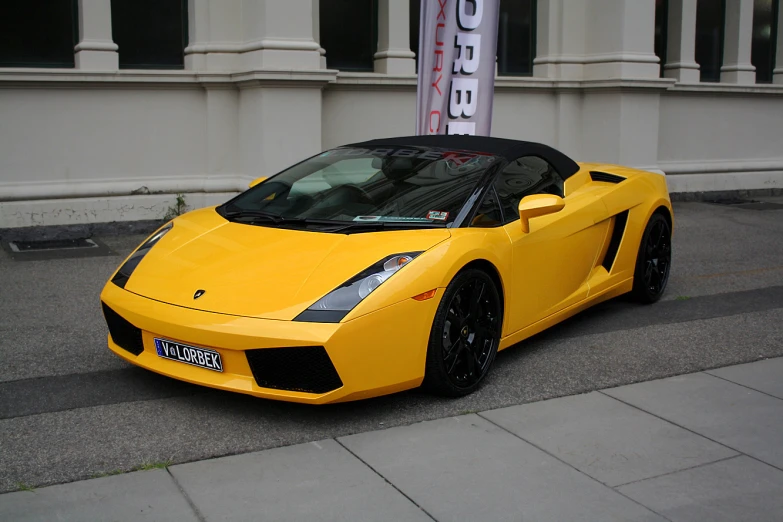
pixel 466 468
pixel 140 496
pixel 743 419
pixel 317 481
pixel 765 376
pixel 734 490
pixel 607 439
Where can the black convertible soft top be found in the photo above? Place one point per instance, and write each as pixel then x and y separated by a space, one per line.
pixel 508 149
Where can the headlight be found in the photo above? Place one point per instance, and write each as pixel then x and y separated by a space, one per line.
pixel 125 271
pixel 336 304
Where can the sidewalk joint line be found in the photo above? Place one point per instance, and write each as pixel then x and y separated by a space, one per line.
pixel 679 470
pixel 182 491
pixel 738 383
pixel 572 467
pixel 692 431
pixel 385 480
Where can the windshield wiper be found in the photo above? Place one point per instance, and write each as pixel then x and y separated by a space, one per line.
pixel 386 225
pixel 257 215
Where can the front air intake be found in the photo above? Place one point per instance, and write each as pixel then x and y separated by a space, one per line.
pixel 124 334
pixel 305 369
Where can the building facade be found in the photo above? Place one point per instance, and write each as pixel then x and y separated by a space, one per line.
pixel 110 108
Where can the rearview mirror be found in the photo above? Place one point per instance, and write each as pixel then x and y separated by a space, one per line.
pixel 538 205
pixel 257 181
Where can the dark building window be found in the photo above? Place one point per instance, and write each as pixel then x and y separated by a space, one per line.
pixel 710 20
pixel 765 21
pixel 415 17
pixel 349 33
pixel 150 34
pixel 38 33
pixel 516 35
pixel 661 31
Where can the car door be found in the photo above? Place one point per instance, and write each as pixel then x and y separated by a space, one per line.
pixel 551 263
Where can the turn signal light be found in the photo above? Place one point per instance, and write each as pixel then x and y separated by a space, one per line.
pixel 426 295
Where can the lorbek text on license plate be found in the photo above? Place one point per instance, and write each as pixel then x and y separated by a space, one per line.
pixel 189 355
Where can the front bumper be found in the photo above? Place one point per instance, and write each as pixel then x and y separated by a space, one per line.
pixel 375 354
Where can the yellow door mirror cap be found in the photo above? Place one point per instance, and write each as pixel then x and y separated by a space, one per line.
pixel 538 205
pixel 257 181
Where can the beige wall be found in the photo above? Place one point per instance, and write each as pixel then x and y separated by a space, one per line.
pixel 95 143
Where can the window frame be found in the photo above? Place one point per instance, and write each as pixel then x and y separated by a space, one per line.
pixel 773 42
pixel 490 192
pixel 161 67
pixel 721 40
pixel 663 57
pixel 499 173
pixel 374 32
pixel 533 44
pixel 533 37
pixel 55 65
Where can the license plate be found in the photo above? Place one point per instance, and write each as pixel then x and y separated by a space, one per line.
pixel 200 357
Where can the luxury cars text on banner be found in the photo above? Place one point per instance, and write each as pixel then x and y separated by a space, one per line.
pixel 457 47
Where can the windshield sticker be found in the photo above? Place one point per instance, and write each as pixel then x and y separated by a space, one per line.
pixel 456 156
pixel 390 218
pixel 437 215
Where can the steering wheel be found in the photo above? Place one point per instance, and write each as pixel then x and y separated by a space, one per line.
pixel 366 198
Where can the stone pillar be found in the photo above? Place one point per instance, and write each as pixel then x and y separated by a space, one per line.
pixel 737 41
pixel 279 35
pixel 619 40
pixel 394 55
pixel 681 42
pixel 317 31
pixel 560 39
pixel 595 39
pixel 778 70
pixel 96 50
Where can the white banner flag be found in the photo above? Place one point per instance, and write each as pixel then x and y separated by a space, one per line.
pixel 457 48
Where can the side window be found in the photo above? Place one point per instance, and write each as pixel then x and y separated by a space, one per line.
pixel 523 177
pixel 488 212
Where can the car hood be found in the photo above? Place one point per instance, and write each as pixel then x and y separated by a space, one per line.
pixel 259 271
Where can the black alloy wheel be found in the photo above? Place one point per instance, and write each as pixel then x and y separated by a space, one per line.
pixel 465 335
pixel 653 261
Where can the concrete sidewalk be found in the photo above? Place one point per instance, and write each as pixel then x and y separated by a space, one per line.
pixel 703 446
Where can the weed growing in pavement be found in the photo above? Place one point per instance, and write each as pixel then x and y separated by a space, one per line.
pixel 682 297
pixel 21 486
pixel 152 465
pixel 180 207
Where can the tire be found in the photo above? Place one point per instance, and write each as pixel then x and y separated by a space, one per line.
pixel 465 335
pixel 653 261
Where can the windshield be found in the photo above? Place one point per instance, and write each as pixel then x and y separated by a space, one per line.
pixel 417 186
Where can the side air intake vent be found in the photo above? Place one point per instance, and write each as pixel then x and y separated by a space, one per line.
pixel 306 369
pixel 620 220
pixel 124 334
pixel 606 177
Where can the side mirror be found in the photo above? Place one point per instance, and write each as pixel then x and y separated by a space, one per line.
pixel 538 205
pixel 257 181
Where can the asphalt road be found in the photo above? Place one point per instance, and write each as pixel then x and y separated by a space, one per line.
pixel 69 409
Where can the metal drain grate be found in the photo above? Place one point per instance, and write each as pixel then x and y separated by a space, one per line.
pixel 51 244
pixel 750 204
pixel 36 250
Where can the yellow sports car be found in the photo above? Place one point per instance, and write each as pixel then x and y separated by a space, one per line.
pixel 382 266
